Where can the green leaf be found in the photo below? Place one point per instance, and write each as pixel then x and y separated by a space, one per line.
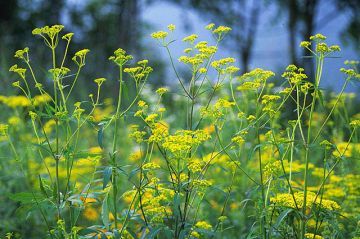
pixel 100 136
pixel 282 216
pixel 26 197
pixel 42 188
pixel 105 213
pixel 153 233
pixel 106 176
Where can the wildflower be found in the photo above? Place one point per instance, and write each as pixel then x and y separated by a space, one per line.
pixel 143 62
pixel 162 91
pixel 90 214
pixel 190 39
pixel 210 26
pixel 99 81
pixel 138 136
pixel 318 37
pixel 59 72
pixel 312 236
pixel 159 131
pixel 4 129
pixel 266 99
pixel 17 101
pixel 238 139
pixel 195 234
pixel 151 118
pixel 41 99
pixel 20 53
pixel 33 115
pixel 142 104
pixel 251 118
pixel 20 71
pixel 294 74
pixel 286 200
pixel 305 44
pixel 171 27
pixel 16 84
pixel 184 140
pixel 355 123
pixel 195 165
pixel 201 183
pixel 150 166
pixel 68 36
pixel 222 62
pixel 203 225
pixel 222 30
pixel 202 70
pixel 349 72
pixel 14 120
pixel 326 143
pixel 120 57
pixel 256 77
pixel 159 35
pixel 79 57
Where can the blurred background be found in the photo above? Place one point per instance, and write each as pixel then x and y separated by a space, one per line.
pixel 265 33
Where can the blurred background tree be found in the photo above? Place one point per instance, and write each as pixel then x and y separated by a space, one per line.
pixel 105 25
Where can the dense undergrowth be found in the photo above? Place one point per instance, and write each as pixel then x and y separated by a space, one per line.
pixel 214 157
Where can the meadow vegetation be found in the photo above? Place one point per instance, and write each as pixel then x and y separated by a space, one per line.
pixel 216 156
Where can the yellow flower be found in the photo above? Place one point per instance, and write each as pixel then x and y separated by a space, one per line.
pixel 286 200
pixel 14 120
pixel 190 39
pixel 3 129
pixel 162 91
pixel 91 214
pixel 203 225
pixel 159 35
pixel 221 30
pixel 171 27
pixel 312 236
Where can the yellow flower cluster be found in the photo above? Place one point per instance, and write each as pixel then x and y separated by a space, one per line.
pixel 139 72
pixel 15 101
pixel 321 46
pixel 294 74
pixel 286 200
pixel 217 111
pixel 184 140
pixel 159 132
pixel 159 35
pixel 80 56
pixel 3 129
pixel 312 236
pixel 203 225
pixel 254 79
pixel 203 52
pixel 20 71
pixel 120 57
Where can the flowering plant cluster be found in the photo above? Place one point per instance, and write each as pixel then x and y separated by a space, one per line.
pixel 214 156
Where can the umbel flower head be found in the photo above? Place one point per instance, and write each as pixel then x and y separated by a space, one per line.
pixel 79 57
pixel 50 34
pixel 321 48
pixel 120 57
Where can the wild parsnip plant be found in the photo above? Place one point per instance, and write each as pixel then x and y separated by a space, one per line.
pixel 212 158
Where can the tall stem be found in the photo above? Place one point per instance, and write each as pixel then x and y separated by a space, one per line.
pixel 319 65
pixel 114 181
